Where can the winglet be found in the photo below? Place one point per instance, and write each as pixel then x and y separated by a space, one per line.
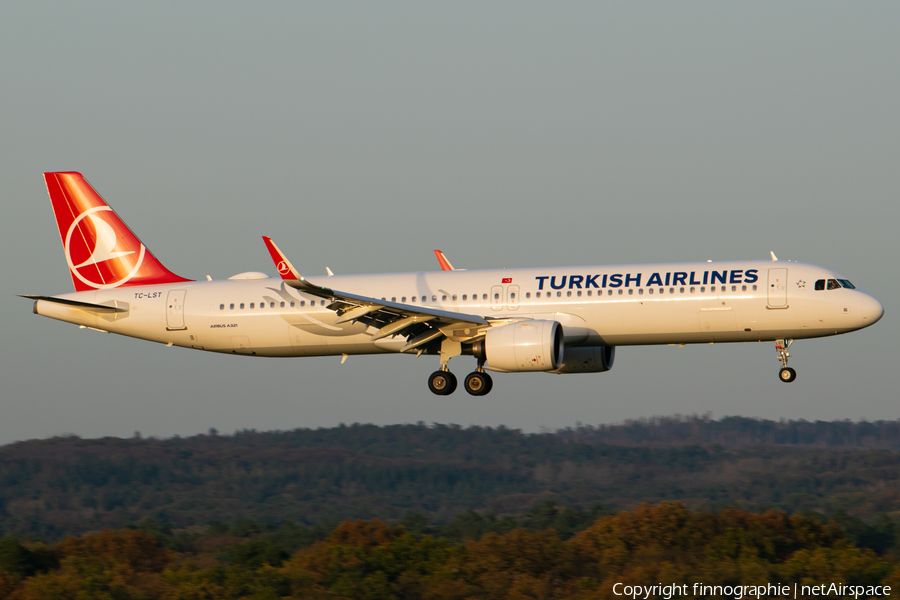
pixel 284 266
pixel 442 260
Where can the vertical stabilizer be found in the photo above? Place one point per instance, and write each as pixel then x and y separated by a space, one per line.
pixel 101 250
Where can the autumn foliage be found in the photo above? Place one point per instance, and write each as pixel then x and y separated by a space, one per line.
pixel 373 560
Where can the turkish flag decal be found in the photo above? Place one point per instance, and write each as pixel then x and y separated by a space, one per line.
pixel 507 280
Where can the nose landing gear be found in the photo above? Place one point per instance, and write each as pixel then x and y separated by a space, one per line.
pixel 786 374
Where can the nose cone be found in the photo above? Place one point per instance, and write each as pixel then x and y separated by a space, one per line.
pixel 870 309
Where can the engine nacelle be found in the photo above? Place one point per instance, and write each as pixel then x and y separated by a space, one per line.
pixel 590 359
pixel 523 346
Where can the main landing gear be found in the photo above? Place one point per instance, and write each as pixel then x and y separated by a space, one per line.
pixel 443 383
pixel 479 383
pixel 786 374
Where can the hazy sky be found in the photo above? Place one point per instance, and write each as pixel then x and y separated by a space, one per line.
pixel 360 136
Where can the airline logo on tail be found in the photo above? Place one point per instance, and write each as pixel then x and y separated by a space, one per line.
pixel 90 271
pixel 101 251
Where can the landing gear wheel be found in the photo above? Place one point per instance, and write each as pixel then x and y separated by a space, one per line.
pixel 442 383
pixel 787 374
pixel 478 384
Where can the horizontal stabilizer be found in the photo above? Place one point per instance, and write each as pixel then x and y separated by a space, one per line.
pixel 76 303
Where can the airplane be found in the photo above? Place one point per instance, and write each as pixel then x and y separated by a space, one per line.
pixel 556 320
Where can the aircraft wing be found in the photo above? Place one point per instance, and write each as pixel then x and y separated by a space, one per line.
pixel 420 324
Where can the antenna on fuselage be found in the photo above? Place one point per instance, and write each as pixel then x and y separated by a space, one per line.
pixel 774 258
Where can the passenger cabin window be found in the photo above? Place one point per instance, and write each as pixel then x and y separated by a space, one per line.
pixel 434 298
pixel 242 306
pixel 484 296
pixel 221 307
pixel 231 306
pixel 251 304
pixel 292 304
pixel 443 298
pixel 282 305
pixel 454 297
pixel 528 294
pixel 465 297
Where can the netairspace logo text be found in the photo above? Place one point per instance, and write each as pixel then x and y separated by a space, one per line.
pixel 780 590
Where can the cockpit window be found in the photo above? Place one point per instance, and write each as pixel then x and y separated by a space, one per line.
pixel 820 285
pixel 846 283
pixel 833 284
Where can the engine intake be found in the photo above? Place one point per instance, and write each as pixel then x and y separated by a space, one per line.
pixel 523 346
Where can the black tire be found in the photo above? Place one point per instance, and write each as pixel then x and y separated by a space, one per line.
pixel 490 384
pixel 787 374
pixel 477 384
pixel 442 383
pixel 453 382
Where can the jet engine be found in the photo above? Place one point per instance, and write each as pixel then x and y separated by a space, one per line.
pixel 522 346
pixel 589 359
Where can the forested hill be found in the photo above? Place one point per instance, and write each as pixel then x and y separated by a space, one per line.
pixel 67 485
pixel 735 432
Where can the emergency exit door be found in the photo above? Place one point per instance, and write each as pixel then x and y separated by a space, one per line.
pixel 497 297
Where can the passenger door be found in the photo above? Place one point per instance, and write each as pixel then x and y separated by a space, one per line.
pixel 175 310
pixel 778 288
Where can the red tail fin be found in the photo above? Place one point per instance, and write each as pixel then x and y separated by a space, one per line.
pixel 101 251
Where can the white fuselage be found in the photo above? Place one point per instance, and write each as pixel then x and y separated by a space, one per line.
pixel 596 306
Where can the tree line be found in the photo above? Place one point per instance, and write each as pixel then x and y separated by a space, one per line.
pixel 369 559
pixel 62 486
